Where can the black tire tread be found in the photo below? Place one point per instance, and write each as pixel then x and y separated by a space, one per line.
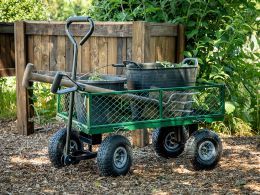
pixel 159 149
pixel 105 164
pixel 191 148
pixel 53 150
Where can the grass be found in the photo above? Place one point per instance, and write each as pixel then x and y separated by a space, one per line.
pixel 7 98
pixel 44 102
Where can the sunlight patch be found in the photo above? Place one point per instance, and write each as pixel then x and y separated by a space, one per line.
pixel 34 161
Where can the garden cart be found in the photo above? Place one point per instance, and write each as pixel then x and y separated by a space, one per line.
pixel 173 112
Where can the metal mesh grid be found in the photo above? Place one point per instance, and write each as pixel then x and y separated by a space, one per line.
pixel 121 107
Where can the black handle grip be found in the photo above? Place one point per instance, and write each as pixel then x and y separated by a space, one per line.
pixel 56 82
pixel 72 19
pixel 89 33
pixel 118 65
pixel 195 60
pixel 126 62
pixel 77 19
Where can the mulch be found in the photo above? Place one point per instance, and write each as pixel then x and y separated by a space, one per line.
pixel 25 168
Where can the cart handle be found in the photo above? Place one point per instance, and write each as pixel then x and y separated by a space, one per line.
pixel 55 87
pixel 196 62
pixel 72 19
pixel 126 62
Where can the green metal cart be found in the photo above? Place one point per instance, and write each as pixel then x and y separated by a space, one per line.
pixel 173 113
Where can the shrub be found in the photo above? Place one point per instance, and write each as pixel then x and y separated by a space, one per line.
pixel 222 34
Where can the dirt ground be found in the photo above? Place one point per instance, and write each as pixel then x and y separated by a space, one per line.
pixel 25 168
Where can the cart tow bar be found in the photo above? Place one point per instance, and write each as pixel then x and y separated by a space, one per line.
pixel 69 158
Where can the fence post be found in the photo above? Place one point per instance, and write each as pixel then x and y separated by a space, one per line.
pixel 141 53
pixel 180 43
pixel 24 113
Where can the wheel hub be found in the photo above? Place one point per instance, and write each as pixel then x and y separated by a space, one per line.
pixel 171 142
pixel 120 157
pixel 72 148
pixel 207 150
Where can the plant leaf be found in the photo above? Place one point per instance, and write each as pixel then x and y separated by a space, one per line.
pixel 229 107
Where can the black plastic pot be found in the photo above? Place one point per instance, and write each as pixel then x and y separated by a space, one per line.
pixel 101 106
pixel 155 75
pixel 149 75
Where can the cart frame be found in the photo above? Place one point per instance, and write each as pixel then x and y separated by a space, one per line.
pixel 161 121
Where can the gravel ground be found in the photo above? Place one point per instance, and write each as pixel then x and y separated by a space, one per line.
pixel 25 168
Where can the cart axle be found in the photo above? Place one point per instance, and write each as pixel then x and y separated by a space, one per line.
pixel 78 156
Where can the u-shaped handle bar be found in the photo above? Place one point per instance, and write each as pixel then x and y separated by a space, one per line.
pixel 72 19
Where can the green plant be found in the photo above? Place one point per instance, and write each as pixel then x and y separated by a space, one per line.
pixel 222 34
pixel 14 10
pixel 44 103
pixel 61 9
pixel 166 64
pixel 95 77
pixel 44 107
pixel 7 98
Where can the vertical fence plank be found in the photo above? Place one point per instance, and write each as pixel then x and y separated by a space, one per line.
pixel 85 58
pixel 102 55
pixel 173 49
pixel 3 62
pixel 180 43
pixel 7 64
pixel 45 53
pixel 121 54
pixel 169 46
pixel 37 51
pixel 8 51
pixel 69 55
pixel 112 55
pixel 24 124
pixel 61 53
pixel 94 54
pixel 53 52
pixel 141 52
pixel 30 53
pixel 160 49
pixel 129 49
pixel 152 49
pixel 12 50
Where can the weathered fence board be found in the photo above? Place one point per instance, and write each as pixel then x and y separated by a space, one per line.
pixel 7 56
pixel 24 111
pixel 46 45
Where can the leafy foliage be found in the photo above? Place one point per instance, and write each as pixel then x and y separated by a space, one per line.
pixel 222 34
pixel 13 10
pixel 44 103
pixel 61 10
pixel 7 98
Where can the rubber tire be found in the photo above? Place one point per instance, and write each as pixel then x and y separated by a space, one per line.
pixel 158 140
pixel 57 144
pixel 105 156
pixel 192 147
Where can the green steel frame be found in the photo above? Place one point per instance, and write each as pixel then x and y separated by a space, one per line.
pixel 161 121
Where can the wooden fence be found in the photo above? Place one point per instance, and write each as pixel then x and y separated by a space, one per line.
pixel 7 56
pixel 46 45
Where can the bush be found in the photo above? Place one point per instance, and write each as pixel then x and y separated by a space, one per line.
pixel 222 34
pixel 14 10
pixel 7 98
